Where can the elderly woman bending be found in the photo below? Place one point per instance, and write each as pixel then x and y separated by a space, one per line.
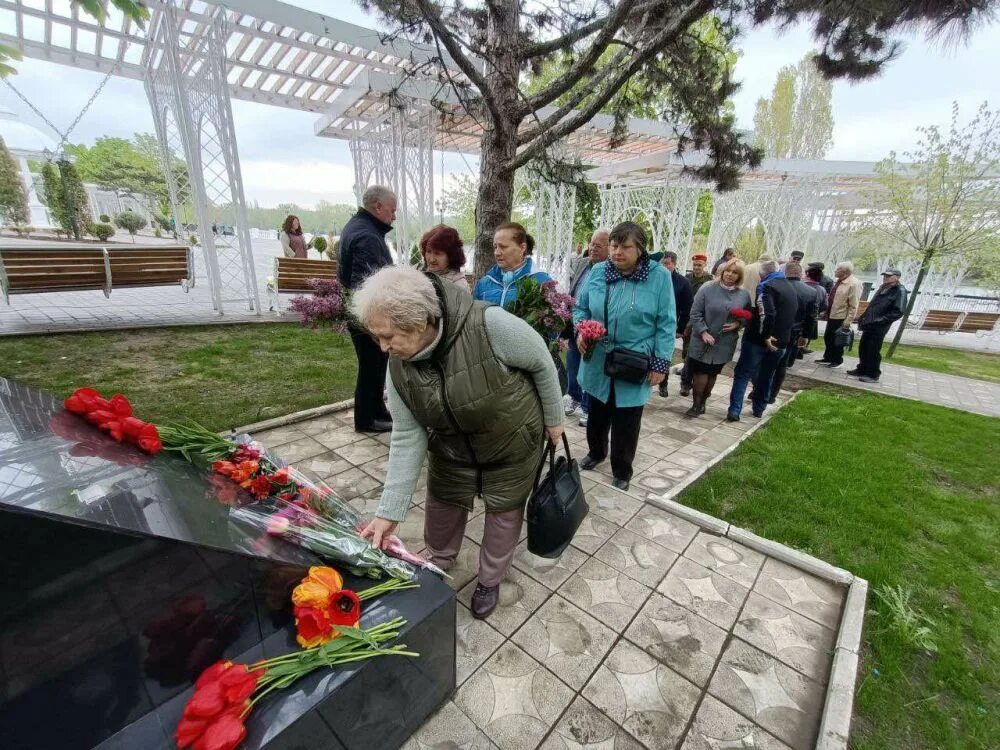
pixel 474 389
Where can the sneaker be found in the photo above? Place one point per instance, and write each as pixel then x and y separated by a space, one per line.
pixel 866 379
pixel 855 373
pixel 570 405
pixel 823 362
pixel 730 417
pixel 836 366
pixel 583 420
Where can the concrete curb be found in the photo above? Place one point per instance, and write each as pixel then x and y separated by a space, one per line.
pixel 298 416
pixel 791 556
pixel 835 723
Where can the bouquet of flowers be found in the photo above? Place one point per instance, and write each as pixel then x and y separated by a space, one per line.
pixel 740 315
pixel 328 305
pixel 114 416
pixel 545 309
pixel 591 332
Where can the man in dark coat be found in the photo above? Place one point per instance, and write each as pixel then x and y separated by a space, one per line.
pixel 683 299
pixel 363 251
pixel 885 307
pixel 824 281
pixel 764 340
pixel 803 328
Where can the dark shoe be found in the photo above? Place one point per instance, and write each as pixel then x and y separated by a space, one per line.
pixel 685 390
pixel 377 426
pixel 771 400
pixel 587 463
pixel 835 365
pixel 663 389
pixel 619 484
pixel 730 417
pixel 855 373
pixel 866 379
pixel 823 362
pixel 806 351
pixel 484 600
pixel 758 414
pixel 750 396
pixel 696 410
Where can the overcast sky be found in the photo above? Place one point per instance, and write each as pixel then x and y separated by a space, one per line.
pixel 283 161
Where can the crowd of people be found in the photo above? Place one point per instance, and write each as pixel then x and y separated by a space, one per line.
pixel 474 389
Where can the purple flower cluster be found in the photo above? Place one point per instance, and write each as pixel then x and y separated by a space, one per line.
pixel 326 306
pixel 561 304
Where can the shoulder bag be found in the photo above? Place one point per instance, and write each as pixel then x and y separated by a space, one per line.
pixel 623 364
pixel 556 506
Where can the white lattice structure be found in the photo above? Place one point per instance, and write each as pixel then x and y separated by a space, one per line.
pixel 938 289
pixel 555 206
pixel 670 210
pixel 399 154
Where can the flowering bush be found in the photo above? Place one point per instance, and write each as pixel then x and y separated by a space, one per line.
pixel 326 306
pixel 544 308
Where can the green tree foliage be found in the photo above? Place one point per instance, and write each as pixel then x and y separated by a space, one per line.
pixel 66 198
pixel 102 231
pixel 13 195
pixel 325 217
pixel 131 222
pixel 119 164
pixel 797 121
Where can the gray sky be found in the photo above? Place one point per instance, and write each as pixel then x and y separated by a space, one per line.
pixel 283 161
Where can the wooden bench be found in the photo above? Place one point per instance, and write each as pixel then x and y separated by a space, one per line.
pixel 979 323
pixel 63 268
pixel 942 321
pixel 862 306
pixel 292 274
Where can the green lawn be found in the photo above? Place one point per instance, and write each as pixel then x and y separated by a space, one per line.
pixel 951 361
pixel 903 494
pixel 222 376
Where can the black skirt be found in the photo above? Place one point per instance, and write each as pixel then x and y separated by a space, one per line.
pixel 697 367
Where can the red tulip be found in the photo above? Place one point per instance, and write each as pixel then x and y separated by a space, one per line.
pixel 121 406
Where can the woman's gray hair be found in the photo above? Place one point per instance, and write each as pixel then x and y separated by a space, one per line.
pixel 768 266
pixel 845 265
pixel 404 295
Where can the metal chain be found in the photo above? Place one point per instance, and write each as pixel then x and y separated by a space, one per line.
pixel 63 137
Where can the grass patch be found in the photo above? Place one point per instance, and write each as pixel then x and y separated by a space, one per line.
pixel 979 365
pixel 221 376
pixel 904 494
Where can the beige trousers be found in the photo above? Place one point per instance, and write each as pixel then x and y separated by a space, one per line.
pixel 444 525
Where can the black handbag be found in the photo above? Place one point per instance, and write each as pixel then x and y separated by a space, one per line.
pixel 624 364
pixel 556 506
pixel 844 337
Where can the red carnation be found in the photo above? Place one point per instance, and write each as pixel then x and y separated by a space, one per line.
pixel 740 313
pixel 260 486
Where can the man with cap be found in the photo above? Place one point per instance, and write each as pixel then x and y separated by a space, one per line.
pixel 696 277
pixel 796 256
pixel 824 281
pixel 885 307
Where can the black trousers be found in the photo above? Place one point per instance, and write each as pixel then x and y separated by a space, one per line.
pixel 870 351
pixel 623 424
pixel 368 390
pixel 833 353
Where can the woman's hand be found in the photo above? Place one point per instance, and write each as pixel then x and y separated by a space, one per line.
pixel 655 378
pixel 555 433
pixel 378 529
pixel 708 338
pixel 581 344
pixel 730 327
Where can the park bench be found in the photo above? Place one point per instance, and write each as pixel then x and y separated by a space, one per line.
pixel 942 321
pixel 63 268
pixel 292 274
pixel 980 323
pixel 862 306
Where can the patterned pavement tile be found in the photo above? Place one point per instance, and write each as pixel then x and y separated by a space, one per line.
pixel 448 729
pixel 475 642
pixel 352 483
pixel 659 446
pixel 653 483
pixel 704 592
pixel 806 594
pixel 661 527
pixel 376 468
pixel 734 561
pixel 411 530
pixel 718 727
pixel 295 452
pixel 363 451
pixel 513 699
pixel 637 557
pixel 318 426
pixel 610 504
pixel 327 464
pixel 685 461
pixel 565 640
pixel 640 463
pixel 271 439
pixel 338 437
pixel 776 697
pixel 678 638
pixel 550 572
pixel 592 533
pixel 520 596
pixel 610 596
pixel 366 504
pixel 583 727
pixel 648 700
pixel 795 640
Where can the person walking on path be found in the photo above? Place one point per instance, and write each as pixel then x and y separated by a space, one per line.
pixel 512 247
pixel 293 242
pixel 714 331
pixel 768 332
pixel 363 251
pixel 482 436
pixel 842 306
pixel 633 298
pixel 814 280
pixel 576 401
pixel 697 277
pixel 683 298
pixel 805 324
pixel 886 307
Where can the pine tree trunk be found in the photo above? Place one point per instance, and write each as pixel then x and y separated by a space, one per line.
pixel 924 267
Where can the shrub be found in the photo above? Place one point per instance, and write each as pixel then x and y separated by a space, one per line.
pixel 105 219
pixel 130 221
pixel 158 232
pixel 22 230
pixel 103 231
pixel 163 222
pixel 328 305
pixel 193 240
pixel 319 244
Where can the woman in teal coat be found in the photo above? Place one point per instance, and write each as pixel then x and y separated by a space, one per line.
pixel 641 317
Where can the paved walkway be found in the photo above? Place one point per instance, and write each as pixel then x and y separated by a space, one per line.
pixel 967 394
pixel 648 632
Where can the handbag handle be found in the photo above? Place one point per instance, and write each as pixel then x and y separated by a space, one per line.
pixel 551 450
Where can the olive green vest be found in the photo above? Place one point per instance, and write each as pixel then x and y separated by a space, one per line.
pixel 483 419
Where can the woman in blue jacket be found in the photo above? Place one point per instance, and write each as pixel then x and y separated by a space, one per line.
pixel 633 298
pixel 512 247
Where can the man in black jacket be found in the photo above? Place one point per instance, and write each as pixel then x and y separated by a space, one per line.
pixel 683 299
pixel 804 327
pixel 363 251
pixel 885 307
pixel 764 340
